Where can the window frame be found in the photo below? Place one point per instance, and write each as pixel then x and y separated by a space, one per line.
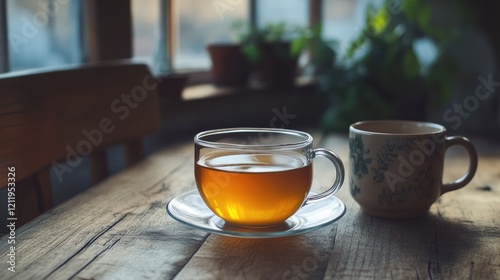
pixel 315 12
pixel 197 76
pixel 4 47
pixel 167 19
pixel 91 45
pixel 88 29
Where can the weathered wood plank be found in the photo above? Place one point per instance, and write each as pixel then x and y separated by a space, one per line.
pixel 456 240
pixel 120 230
pixel 119 227
pixel 148 244
pixel 303 256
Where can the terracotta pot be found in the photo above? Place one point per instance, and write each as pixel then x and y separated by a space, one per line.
pixel 229 65
pixel 276 69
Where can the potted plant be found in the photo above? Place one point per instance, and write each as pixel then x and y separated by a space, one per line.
pixel 273 52
pixel 229 65
pixel 381 75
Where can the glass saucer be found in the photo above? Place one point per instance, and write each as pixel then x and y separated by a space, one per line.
pixel 190 209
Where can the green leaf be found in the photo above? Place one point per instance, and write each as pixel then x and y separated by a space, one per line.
pixel 411 9
pixel 377 21
pixel 297 46
pixel 355 45
pixel 252 52
pixel 411 65
pixel 424 15
pixel 324 56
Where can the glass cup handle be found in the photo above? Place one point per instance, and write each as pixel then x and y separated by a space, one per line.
pixel 339 167
pixel 460 183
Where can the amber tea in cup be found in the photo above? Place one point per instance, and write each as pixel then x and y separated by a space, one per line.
pixel 257 177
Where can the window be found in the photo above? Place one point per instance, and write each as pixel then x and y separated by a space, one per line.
pixel 194 23
pixel 146 31
pixel 48 32
pixel 197 23
pixel 343 19
pixel 43 33
pixel 4 67
pixel 291 12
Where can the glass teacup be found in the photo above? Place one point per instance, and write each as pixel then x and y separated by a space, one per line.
pixel 258 176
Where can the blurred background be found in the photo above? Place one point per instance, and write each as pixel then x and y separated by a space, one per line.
pixel 320 64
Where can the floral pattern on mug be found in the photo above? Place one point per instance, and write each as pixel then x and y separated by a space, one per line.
pixel 357 154
pixel 386 157
pixel 354 188
pixel 420 187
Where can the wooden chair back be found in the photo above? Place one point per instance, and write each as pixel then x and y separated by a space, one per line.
pixel 51 119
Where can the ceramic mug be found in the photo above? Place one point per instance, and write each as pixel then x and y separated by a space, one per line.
pixel 397 166
pixel 258 176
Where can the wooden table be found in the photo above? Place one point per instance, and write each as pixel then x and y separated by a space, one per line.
pixel 119 229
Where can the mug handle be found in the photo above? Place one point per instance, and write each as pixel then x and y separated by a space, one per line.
pixel 339 167
pixel 460 183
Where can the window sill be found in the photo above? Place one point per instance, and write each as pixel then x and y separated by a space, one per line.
pixel 207 107
pixel 208 90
